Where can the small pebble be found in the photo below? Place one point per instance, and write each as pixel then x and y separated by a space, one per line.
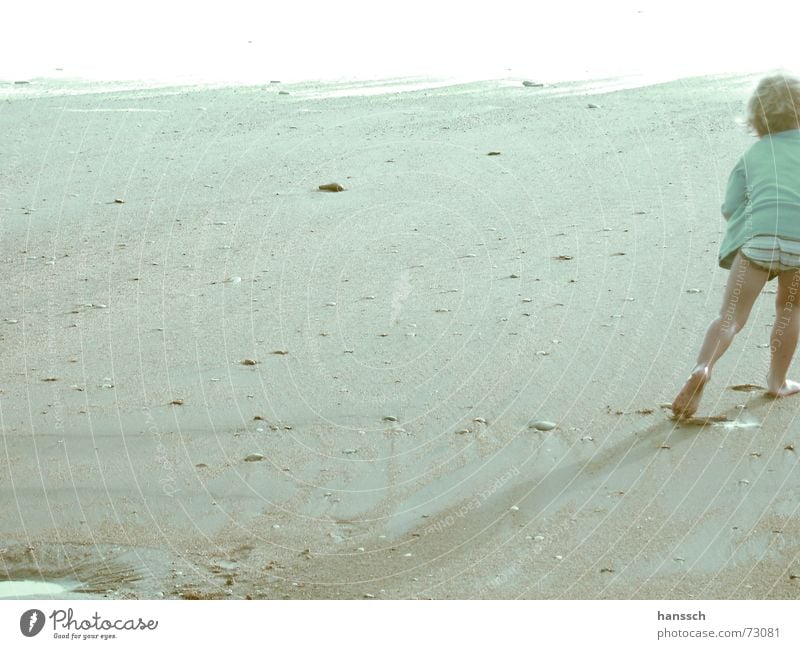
pixel 331 187
pixel 254 457
pixel 248 361
pixel 390 418
pixel 592 106
pixel 532 84
pixel 514 508
pixel 693 290
pixel 542 425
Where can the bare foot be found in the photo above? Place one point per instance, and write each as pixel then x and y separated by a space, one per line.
pixel 685 404
pixel 787 389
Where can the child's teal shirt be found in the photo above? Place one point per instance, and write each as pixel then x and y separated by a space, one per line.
pixel 763 194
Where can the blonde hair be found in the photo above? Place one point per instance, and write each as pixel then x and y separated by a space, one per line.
pixel 775 105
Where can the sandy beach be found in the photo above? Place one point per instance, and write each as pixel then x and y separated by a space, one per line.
pixel 218 381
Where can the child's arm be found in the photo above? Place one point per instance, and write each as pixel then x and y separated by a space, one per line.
pixel 736 192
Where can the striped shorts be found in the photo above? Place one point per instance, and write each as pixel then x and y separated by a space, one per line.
pixel 773 254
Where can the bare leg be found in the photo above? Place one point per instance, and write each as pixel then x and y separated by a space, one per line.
pixel 785 331
pixel 744 285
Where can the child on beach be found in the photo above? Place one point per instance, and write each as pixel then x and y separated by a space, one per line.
pixel 762 240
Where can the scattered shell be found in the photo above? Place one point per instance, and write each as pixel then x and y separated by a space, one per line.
pixel 513 276
pixel 538 537
pixel 50 378
pixel 442 310
pixel 232 280
pixel 514 508
pixel 201 465
pixel 563 257
pixel 587 438
pixel 254 457
pixel 693 290
pixel 493 153
pixel 789 447
pixel 390 418
pixel 479 420
pixel 331 187
pixel 248 361
pixel 665 446
pixel 527 299
pixel 279 352
pixel 602 570
pixel 350 451
pixel 532 84
pixel 463 431
pixel 369 596
pixel 176 402
pixel 330 303
pixel 118 200
pixel 592 106
pixel 542 425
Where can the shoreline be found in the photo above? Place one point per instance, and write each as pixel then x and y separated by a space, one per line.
pixel 310 88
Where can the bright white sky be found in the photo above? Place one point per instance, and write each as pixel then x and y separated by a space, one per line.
pixel 314 39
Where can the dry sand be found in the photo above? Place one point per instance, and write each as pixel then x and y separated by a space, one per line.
pixel 462 294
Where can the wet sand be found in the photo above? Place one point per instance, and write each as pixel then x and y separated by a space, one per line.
pixel 406 332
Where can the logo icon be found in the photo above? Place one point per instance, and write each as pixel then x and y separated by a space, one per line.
pixel 31 622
